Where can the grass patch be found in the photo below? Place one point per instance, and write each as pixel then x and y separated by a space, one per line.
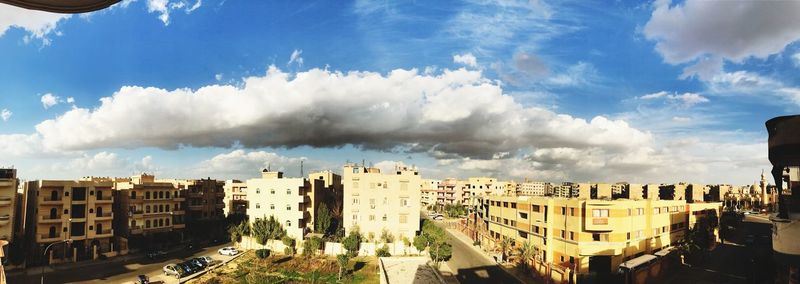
pixel 249 269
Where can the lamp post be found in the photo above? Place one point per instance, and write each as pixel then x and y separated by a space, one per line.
pixel 68 241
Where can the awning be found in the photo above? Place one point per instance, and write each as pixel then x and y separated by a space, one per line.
pixel 62 6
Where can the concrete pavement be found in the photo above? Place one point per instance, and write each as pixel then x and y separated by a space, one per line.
pixel 470 265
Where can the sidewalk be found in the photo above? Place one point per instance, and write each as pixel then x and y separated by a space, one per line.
pixel 466 240
pixel 35 270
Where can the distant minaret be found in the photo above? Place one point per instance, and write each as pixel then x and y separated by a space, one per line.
pixel 763 184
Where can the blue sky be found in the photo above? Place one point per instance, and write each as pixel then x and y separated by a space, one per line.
pixel 567 90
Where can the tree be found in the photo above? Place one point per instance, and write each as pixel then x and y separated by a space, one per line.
pixel 387 236
pixel 352 243
pixel 237 231
pixel 435 240
pixel 324 220
pixel 267 229
pixel 505 244
pixel 527 252
pixel 311 246
pixel 342 260
pixel 441 251
pixel 289 243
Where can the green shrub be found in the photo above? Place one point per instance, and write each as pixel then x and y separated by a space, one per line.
pixel 383 251
pixel 262 253
pixel 311 245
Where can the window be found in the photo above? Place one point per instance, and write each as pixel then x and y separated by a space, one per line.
pixel 147 195
pixel 513 205
pixel 355 200
pixel 403 219
pixel 288 207
pixel 271 191
pixel 272 206
pixel 523 215
pixel 258 190
pixel 147 209
pixel 372 217
pixel 258 205
pixel 167 222
pixel 572 236
pixel 288 191
pixel 628 236
pixel 147 223
pixel 535 208
pixel 384 217
pixel 505 204
pixel 288 223
pixel 655 231
pixel 665 209
pixel 355 185
pixel 629 212
pixel 563 210
pixel 404 202
pixel 563 234
pixel 640 211
pixel 355 216
pixel 656 210
pixel 572 211
pixel 600 213
pixel 600 237
pixel 372 203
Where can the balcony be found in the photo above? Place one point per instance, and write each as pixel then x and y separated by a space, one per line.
pixel 179 226
pixel 104 234
pixel 45 219
pixel 136 230
pixel 105 216
pixel 179 198
pixel 5 201
pixel 105 200
pixel 178 212
pixel 50 201
pixel 6 182
pixel 47 238
pixel 5 220
pixel 135 214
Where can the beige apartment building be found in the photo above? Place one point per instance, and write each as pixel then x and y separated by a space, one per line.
pixel 534 188
pixel 146 207
pixel 235 199
pixel 80 211
pixel 8 203
pixel 287 199
pixel 374 202
pixel 429 191
pixel 591 235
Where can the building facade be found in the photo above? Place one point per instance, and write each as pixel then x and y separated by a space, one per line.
pixel 376 202
pixel 145 207
pixel 8 203
pixel 235 198
pixel 589 235
pixel 286 199
pixel 80 211
pixel 534 188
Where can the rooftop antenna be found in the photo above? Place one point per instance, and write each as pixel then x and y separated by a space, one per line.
pixel 301 169
pixel 363 162
pixel 269 165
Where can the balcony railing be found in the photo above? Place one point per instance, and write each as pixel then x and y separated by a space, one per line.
pixel 47 237
pixel 104 215
pixel 104 232
pixel 108 199
pixel 4 220
pixel 48 200
pixel 5 200
pixel 48 219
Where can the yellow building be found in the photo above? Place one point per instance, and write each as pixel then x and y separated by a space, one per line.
pixel 374 202
pixel 8 193
pixel 147 207
pixel 80 211
pixel 589 235
pixel 235 198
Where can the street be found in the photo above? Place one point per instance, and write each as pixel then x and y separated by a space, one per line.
pixel 124 272
pixel 471 266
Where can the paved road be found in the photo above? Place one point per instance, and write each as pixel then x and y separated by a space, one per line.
pixel 125 272
pixel 470 266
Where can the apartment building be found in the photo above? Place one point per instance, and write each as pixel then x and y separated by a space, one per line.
pixel 204 199
pixel 8 203
pixel 80 211
pixel 235 199
pixel 429 191
pixel 591 235
pixel 287 199
pixel 534 188
pixel 374 202
pixel 148 208
pixel 326 188
pixel 452 191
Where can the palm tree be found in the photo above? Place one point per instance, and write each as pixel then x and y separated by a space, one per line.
pixel 504 246
pixel 527 252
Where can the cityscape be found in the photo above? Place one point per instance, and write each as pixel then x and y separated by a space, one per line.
pixel 443 142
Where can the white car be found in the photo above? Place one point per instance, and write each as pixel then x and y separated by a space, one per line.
pixel 172 270
pixel 228 251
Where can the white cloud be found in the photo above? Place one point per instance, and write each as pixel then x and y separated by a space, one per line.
pixel 685 100
pixel 466 59
pixel 49 100
pixel 5 114
pixel 39 25
pixel 295 58
pixel 456 112
pixel 530 64
pixel 796 59
pixel 241 164
pixel 70 100
pixel 681 119
pixel 705 32
pixel 218 76
pixel 164 7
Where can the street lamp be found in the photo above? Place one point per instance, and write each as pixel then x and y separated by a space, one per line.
pixel 68 241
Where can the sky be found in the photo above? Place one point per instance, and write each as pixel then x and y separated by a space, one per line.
pixel 588 91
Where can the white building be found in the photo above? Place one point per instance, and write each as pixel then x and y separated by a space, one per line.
pixel 374 202
pixel 284 198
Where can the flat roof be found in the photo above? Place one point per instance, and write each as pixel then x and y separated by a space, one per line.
pixel 637 261
pixel 664 251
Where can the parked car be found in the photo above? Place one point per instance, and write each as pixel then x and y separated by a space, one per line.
pixel 189 269
pixel 193 267
pixel 156 254
pixel 142 279
pixel 173 270
pixel 438 217
pixel 198 262
pixel 207 260
pixel 228 251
